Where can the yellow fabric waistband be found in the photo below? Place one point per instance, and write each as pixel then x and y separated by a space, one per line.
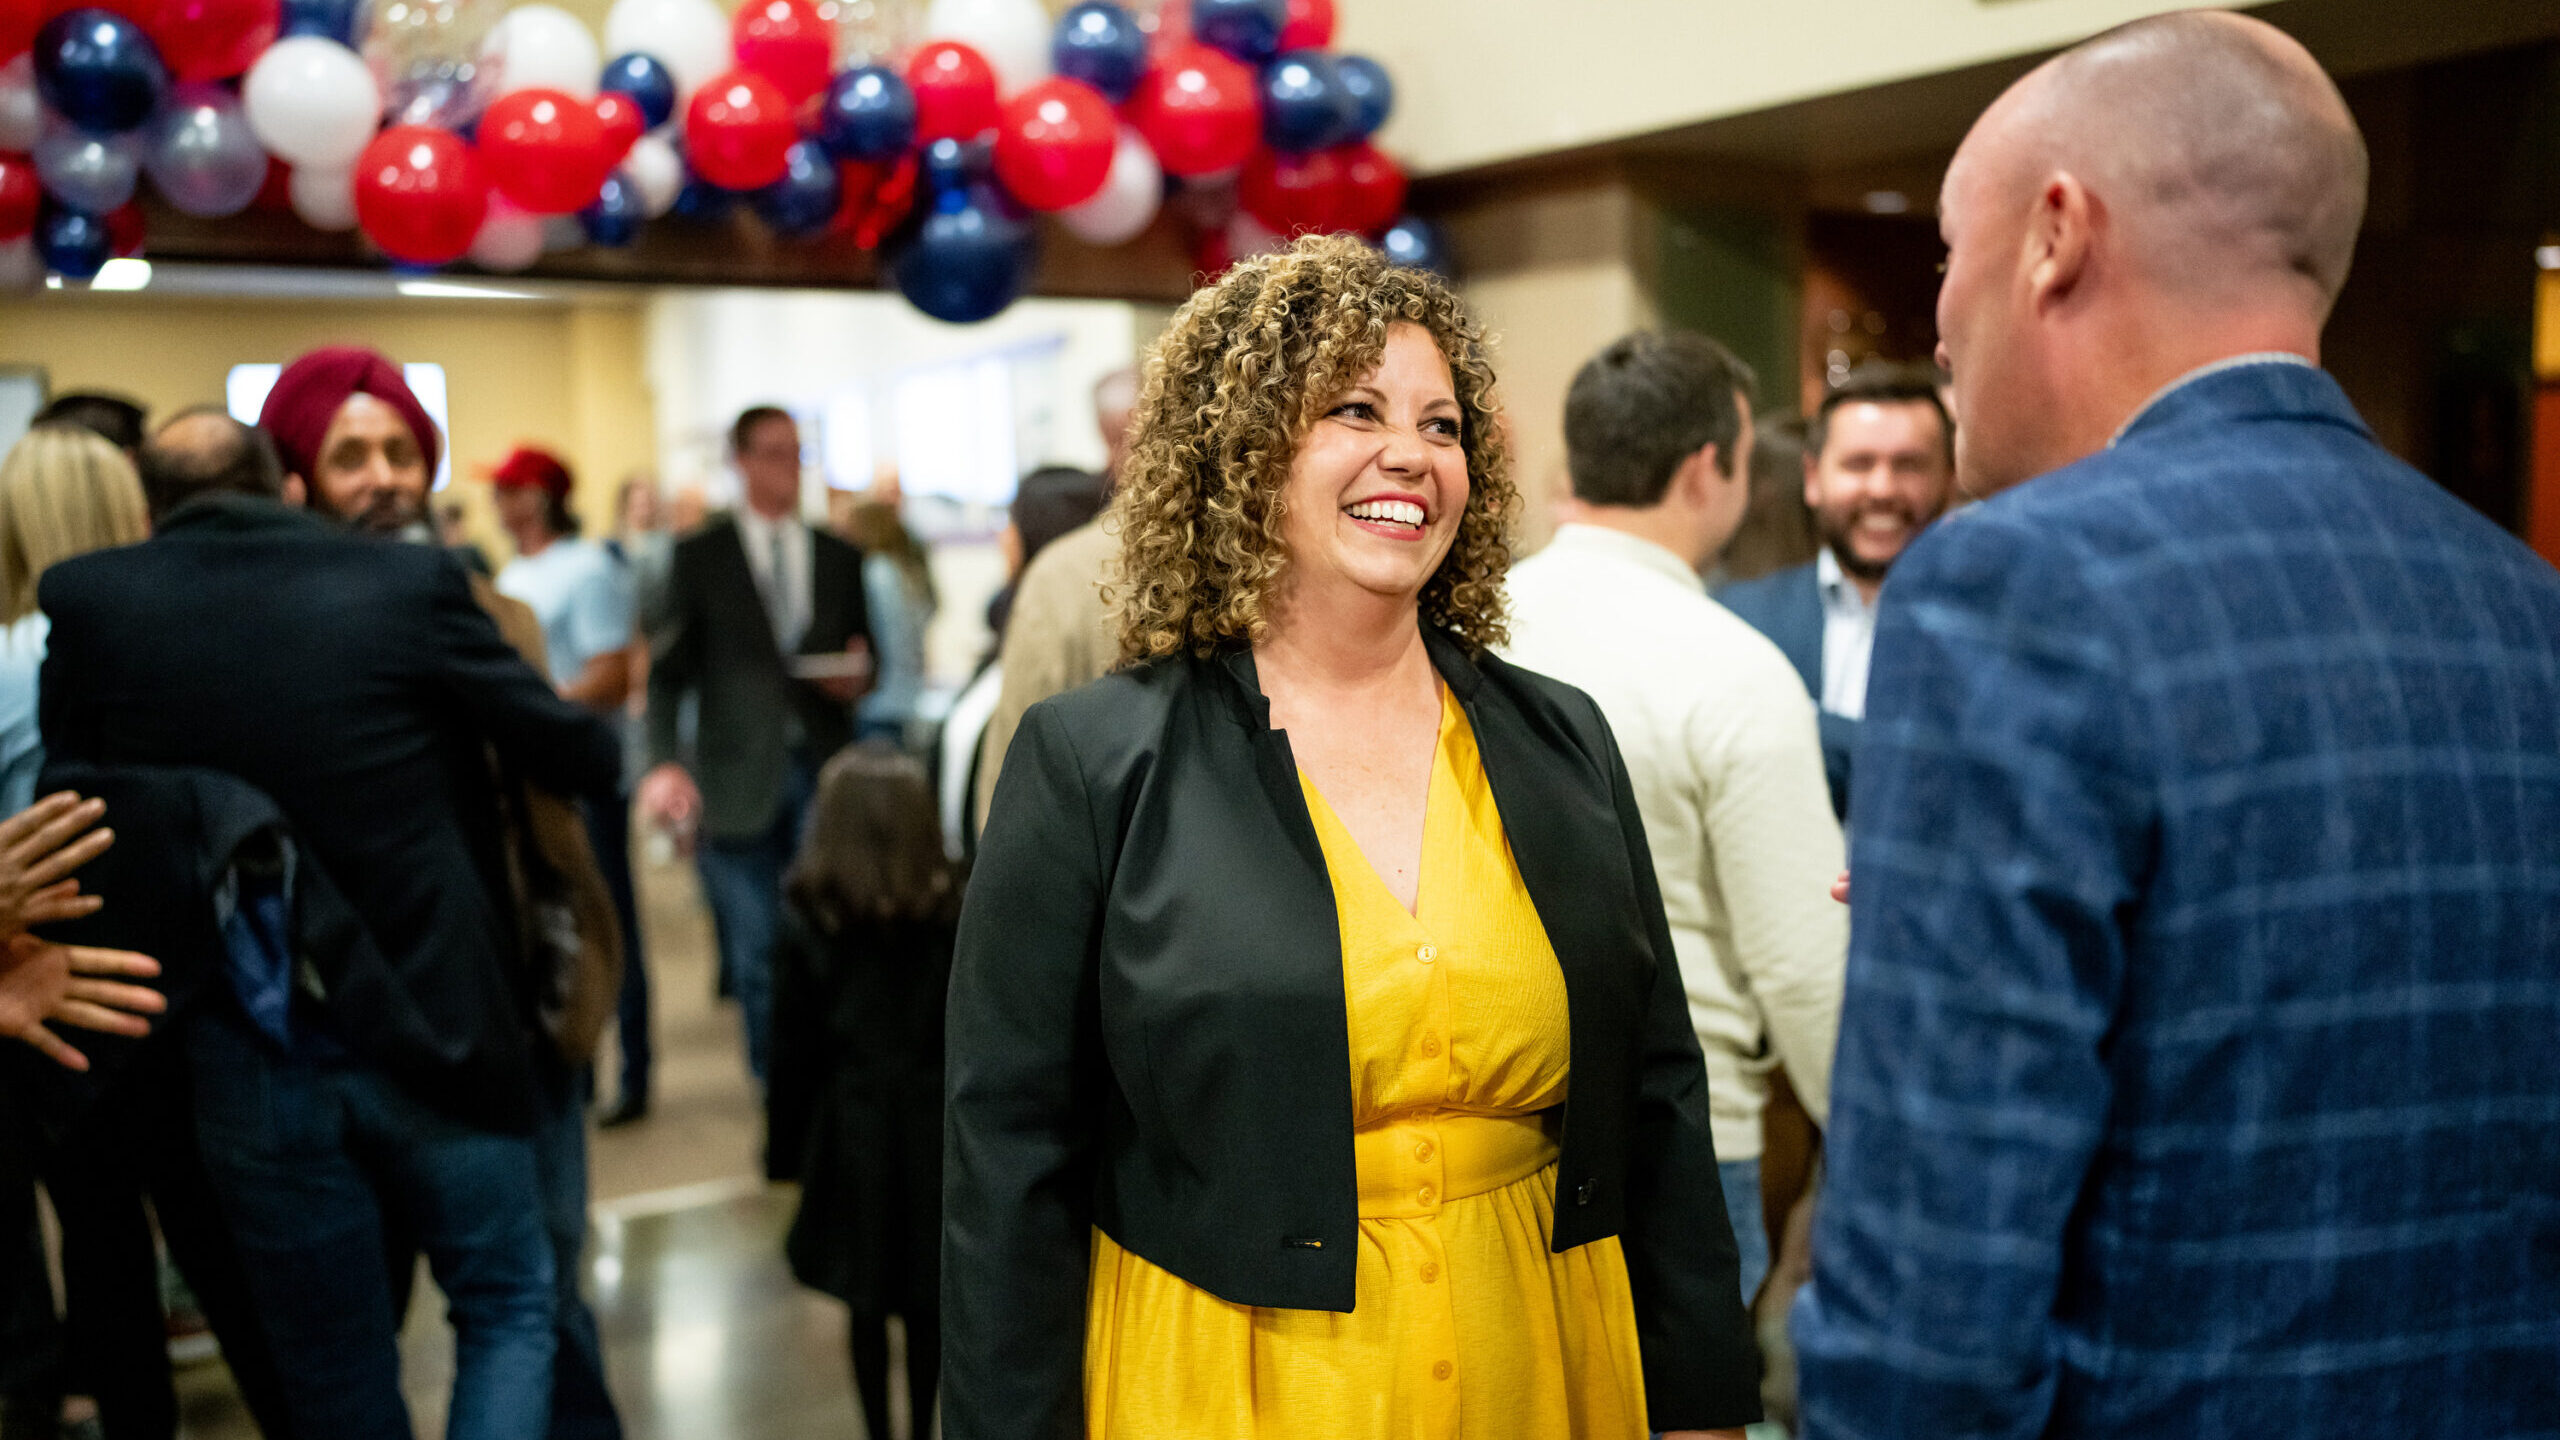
pixel 1412 1165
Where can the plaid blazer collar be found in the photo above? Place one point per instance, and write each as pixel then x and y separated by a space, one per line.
pixel 2246 388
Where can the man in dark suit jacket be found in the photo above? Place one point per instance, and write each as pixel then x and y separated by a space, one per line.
pixel 2197 1073
pixel 766 631
pixel 1879 462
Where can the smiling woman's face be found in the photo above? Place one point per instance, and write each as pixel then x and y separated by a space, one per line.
pixel 1379 483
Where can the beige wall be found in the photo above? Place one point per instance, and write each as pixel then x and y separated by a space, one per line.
pixel 565 376
pixel 1493 80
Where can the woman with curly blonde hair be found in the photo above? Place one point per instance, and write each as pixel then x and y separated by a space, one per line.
pixel 1318 1061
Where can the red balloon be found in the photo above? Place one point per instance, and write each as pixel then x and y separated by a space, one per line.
pixel 1198 109
pixel 1054 147
pixel 208 39
pixel 421 194
pixel 876 198
pixel 1292 193
pixel 1309 26
pixel 545 151
pixel 19 22
pixel 955 91
pixel 277 193
pixel 622 120
pixel 20 194
pixel 126 229
pixel 1211 256
pixel 1372 188
pixel 738 132
pixel 786 42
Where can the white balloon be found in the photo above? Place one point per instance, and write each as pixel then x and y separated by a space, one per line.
pixel 21 109
pixel 1127 202
pixel 1014 35
pixel 543 47
pixel 312 102
pixel 510 239
pixel 325 199
pixel 21 268
pixel 689 37
pixel 656 172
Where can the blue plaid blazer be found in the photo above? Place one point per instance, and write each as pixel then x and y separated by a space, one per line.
pixel 2199 1071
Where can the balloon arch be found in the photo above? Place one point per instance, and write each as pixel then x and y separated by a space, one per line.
pixel 452 130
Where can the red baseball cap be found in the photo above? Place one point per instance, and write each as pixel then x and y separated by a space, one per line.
pixel 532 469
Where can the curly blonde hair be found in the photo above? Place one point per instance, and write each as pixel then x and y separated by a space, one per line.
pixel 1247 365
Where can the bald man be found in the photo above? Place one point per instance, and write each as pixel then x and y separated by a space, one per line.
pixel 2199 1070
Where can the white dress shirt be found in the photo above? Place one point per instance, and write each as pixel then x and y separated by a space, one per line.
pixel 1848 638
pixel 783 541
pixel 1722 748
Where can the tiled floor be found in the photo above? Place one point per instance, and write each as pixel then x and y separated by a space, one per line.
pixel 706 1336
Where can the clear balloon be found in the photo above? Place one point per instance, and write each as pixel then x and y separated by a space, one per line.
pixel 543 47
pixel 647 81
pixel 21 108
pixel 201 154
pixel 614 220
pixel 875 32
pixel 970 255
pixel 98 70
pixel 435 62
pixel 689 37
pixel 655 174
pixel 312 102
pixel 324 199
pixel 74 243
pixel 1102 45
pixel 1128 200
pixel 868 114
pixel 94 173
pixel 1013 35
pixel 510 239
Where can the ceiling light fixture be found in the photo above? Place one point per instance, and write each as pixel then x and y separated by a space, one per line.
pixel 447 290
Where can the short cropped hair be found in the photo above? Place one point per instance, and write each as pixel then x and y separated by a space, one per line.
pixel 748 419
pixel 1645 404
pixel 113 418
pixel 1881 382
pixel 232 458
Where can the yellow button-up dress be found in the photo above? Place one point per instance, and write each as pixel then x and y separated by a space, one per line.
pixel 1466 1326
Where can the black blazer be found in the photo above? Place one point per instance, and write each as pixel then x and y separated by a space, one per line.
pixel 1147 1034
pixel 1787 607
pixel 715 642
pixel 356 683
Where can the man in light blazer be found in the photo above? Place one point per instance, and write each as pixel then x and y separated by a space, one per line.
pixel 1879 462
pixel 2196 1072
pixel 766 631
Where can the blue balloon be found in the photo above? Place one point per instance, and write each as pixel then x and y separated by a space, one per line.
pixel 647 80
pixel 99 71
pixel 968 256
pixel 703 202
pixel 614 220
pixel 1247 29
pixel 804 201
pixel 1304 104
pixel 1416 244
pixel 1100 44
pixel 948 163
pixel 74 243
pixel 868 114
pixel 1373 95
pixel 341 20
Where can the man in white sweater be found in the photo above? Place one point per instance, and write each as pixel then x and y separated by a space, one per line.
pixel 1719 735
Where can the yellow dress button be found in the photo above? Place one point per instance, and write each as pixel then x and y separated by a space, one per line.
pixel 1430 1049
pixel 1426 954
pixel 1430 1271
pixel 1422 1151
pixel 1425 1194
pixel 1443 1370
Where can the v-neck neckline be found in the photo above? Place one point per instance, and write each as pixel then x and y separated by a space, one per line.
pixel 1436 802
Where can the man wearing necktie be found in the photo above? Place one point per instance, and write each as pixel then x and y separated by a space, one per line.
pixel 765 629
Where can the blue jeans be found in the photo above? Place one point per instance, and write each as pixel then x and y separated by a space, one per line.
pixel 609 831
pixel 581 1406
pixel 742 880
pixel 1742 1206
pixel 307 1157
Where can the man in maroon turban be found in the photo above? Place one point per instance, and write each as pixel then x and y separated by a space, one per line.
pixel 352 432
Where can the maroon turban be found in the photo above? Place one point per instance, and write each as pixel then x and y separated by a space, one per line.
pixel 311 391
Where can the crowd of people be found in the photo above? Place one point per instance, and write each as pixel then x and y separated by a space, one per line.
pixel 1317 976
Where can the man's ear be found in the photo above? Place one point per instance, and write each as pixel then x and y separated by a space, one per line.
pixel 296 493
pixel 2059 239
pixel 1812 481
pixel 1700 474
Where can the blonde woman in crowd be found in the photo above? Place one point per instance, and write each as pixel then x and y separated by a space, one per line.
pixel 63 492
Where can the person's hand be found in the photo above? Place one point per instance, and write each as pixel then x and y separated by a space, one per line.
pixel 1840 888
pixel 845 689
pixel 670 800
pixel 40 847
pixel 66 984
